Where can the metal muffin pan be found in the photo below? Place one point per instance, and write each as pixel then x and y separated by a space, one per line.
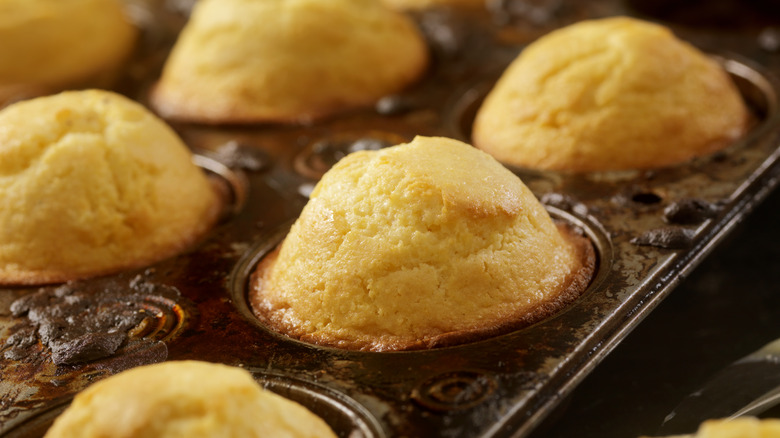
pixel 195 305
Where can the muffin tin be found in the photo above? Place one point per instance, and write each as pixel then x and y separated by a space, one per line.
pixel 194 306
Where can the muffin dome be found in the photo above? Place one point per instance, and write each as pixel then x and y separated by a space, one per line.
pixel 308 59
pixel 740 427
pixel 609 94
pixel 186 399
pixel 418 245
pixel 93 183
pixel 47 45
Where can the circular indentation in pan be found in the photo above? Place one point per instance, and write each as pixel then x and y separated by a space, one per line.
pixel 240 287
pixel 165 319
pixel 85 322
pixel 322 153
pixel 455 391
pixel 757 91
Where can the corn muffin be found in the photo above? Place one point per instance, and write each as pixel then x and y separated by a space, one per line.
pixel 609 94
pixel 308 59
pixel 419 245
pixel 185 399
pixel 741 427
pixel 93 183
pixel 48 45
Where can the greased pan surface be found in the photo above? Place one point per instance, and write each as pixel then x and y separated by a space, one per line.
pixel 194 306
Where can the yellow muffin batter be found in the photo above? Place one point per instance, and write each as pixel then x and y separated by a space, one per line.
pixel 418 245
pixel 46 45
pixel 92 183
pixel 287 60
pixel 185 399
pixel 741 427
pixel 609 94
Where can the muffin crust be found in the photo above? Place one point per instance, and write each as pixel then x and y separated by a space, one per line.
pixel 609 94
pixel 309 59
pixel 49 45
pixel 185 399
pixel 420 245
pixel 93 183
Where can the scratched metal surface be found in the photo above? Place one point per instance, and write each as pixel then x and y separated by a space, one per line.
pixel 503 386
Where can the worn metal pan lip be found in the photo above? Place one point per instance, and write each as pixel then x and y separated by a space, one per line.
pixel 336 408
pixel 235 181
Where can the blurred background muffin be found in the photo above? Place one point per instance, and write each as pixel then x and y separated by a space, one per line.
pixel 93 183
pixel 740 427
pixel 609 94
pixel 185 399
pixel 243 61
pixel 418 245
pixel 50 45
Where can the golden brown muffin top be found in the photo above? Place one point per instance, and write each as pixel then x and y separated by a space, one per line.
pixel 308 59
pixel 185 399
pixel 741 427
pixel 46 45
pixel 415 244
pixel 609 94
pixel 91 183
